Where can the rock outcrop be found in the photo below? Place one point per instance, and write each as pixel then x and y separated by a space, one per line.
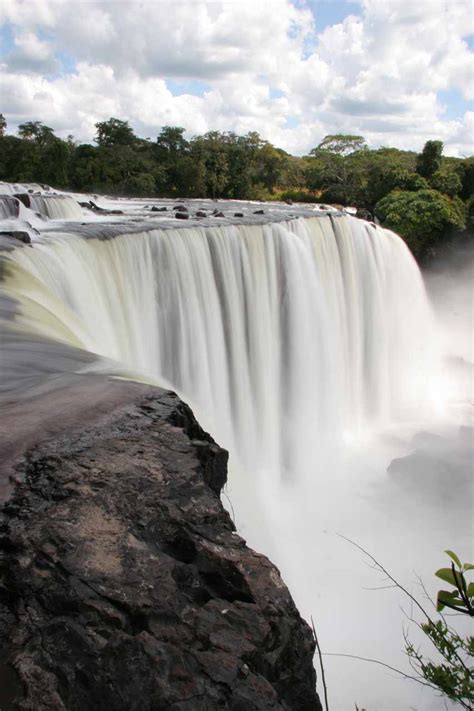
pixel 124 586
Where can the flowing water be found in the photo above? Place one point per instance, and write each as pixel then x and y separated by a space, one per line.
pixel 56 207
pixel 307 346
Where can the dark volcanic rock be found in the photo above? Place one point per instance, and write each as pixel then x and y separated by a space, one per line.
pixel 259 212
pixel 201 213
pixel 90 205
pixel 364 214
pixel 238 214
pixel 218 213
pixel 180 208
pixel 123 584
pixel 24 198
pixel 155 208
pixel 181 215
pixel 18 234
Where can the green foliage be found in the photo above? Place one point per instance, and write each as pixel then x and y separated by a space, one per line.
pixel 470 213
pixel 429 160
pixel 114 132
pixel 466 173
pixel 421 217
pixel 36 131
pixel 340 144
pixel 447 183
pixel 453 674
pixel 461 598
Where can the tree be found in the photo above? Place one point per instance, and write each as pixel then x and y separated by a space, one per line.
pixel 453 674
pixel 212 150
pixel 335 168
pixel 85 168
pixel 54 163
pixel 466 173
pixel 36 131
pixel 170 152
pixel 429 160
pixel 341 144
pixel 421 218
pixel 448 183
pixel 171 141
pixel 114 133
pixel 3 125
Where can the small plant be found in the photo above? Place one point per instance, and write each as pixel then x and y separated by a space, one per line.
pixel 454 674
pixel 461 598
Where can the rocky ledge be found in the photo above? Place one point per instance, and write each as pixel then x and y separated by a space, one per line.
pixel 124 586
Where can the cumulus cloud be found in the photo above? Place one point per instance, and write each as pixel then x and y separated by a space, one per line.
pixel 31 55
pixel 262 65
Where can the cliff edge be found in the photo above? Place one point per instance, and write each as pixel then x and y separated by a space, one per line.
pixel 124 586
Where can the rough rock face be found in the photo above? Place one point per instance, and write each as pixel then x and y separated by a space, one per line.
pixel 123 585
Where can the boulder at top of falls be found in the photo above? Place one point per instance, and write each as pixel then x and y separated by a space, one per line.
pixel 24 198
pixel 218 214
pixel 92 206
pixel 180 208
pixel 364 214
pixel 238 214
pixel 259 212
pixel 19 235
pixel 201 213
pixel 181 215
pixel 155 208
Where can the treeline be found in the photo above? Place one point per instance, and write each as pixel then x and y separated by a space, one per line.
pixel 422 196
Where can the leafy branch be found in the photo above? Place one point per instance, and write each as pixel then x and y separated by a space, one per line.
pixel 453 676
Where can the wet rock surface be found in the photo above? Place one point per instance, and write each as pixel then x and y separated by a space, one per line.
pixel 123 584
pixel 439 468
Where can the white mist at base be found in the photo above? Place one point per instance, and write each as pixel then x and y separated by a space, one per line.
pixel 308 349
pixel 300 528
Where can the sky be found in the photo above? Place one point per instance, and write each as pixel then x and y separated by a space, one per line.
pixel 398 72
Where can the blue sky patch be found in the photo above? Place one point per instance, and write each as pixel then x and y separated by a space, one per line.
pixel 292 122
pixel 454 102
pixel 6 39
pixel 195 87
pixel 276 93
pixel 331 12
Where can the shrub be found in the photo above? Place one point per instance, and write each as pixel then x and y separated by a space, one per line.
pixel 422 218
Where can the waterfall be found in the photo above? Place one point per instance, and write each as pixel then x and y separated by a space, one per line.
pixel 306 346
pixel 56 207
pixel 282 336
pixel 9 207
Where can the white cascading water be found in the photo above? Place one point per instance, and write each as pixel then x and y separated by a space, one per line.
pixel 282 335
pixel 9 207
pixel 56 207
pixel 294 342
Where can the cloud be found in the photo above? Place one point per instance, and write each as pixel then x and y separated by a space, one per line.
pixel 261 66
pixel 31 55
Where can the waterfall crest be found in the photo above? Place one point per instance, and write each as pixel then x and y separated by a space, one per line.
pixel 56 207
pixel 281 335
